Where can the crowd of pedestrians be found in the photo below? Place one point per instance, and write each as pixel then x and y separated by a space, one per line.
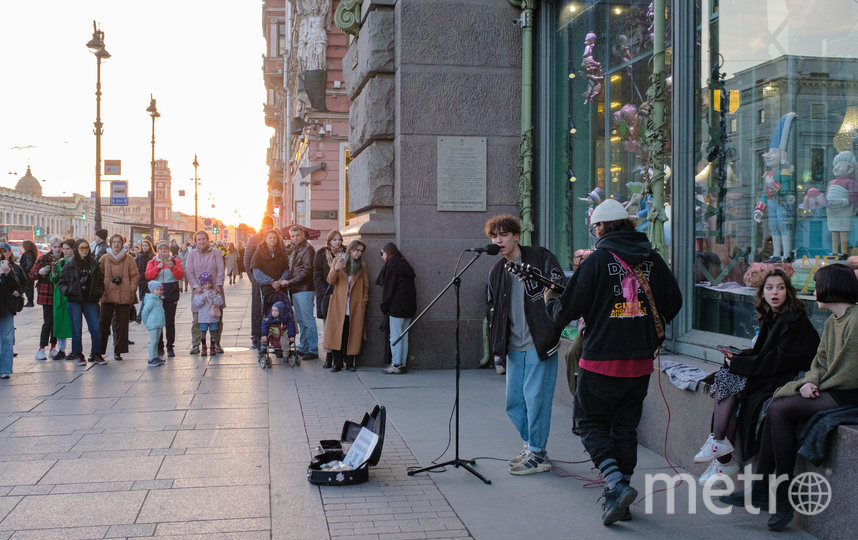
pixel 111 284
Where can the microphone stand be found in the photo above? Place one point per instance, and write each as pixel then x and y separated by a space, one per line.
pixel 456 462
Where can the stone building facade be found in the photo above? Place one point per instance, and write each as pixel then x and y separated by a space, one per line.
pixel 417 71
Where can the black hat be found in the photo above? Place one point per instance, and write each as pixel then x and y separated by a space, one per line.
pixel 101 233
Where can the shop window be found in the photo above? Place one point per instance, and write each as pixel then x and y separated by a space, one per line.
pixel 766 194
pixel 607 56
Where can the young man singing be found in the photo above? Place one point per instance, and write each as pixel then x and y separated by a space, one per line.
pixel 522 333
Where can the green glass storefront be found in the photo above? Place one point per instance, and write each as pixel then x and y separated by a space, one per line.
pixel 762 116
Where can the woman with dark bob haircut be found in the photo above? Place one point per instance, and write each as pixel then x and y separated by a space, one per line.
pixel 831 381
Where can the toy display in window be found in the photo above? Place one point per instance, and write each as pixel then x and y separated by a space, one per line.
pixel 777 199
pixel 591 69
pixel 842 194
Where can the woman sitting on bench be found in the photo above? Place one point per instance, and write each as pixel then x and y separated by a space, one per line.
pixel 831 382
pixel 786 345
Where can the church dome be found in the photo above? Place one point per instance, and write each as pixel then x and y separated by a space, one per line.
pixel 29 185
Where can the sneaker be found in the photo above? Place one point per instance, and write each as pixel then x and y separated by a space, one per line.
pixel 500 369
pixel 712 449
pixel 117 357
pixel 61 355
pixel 54 351
pixel 616 502
pixel 309 356
pixel 531 464
pixel 218 349
pixel 81 359
pixel 4 375
pixel 155 362
pixel 170 352
pixel 719 470
pixel 519 458
pixel 40 354
pixel 195 349
pixel 392 369
pixel 100 359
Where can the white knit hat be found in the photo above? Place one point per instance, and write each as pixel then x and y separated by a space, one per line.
pixel 609 210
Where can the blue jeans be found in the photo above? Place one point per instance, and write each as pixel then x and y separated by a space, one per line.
pixel 90 313
pixel 154 336
pixel 7 340
pixel 399 352
pixel 529 395
pixel 303 304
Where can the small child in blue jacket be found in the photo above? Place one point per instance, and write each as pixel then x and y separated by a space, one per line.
pixel 278 323
pixel 153 316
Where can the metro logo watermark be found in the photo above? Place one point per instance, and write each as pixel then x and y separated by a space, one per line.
pixel 809 492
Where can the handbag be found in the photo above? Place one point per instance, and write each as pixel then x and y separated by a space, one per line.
pixel 325 302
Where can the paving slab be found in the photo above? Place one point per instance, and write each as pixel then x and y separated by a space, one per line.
pixel 23 472
pixel 191 504
pixel 103 469
pixel 124 441
pixel 251 468
pixel 60 511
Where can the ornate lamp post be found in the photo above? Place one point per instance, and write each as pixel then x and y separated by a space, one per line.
pixel 96 46
pixel 196 182
pixel 153 112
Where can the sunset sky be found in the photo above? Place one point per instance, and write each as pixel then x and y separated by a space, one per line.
pixel 201 59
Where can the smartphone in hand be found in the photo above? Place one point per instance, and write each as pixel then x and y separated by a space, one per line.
pixel 728 349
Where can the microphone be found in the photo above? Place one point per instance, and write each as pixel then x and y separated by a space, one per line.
pixel 490 249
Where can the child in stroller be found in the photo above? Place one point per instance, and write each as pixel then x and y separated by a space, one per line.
pixel 277 323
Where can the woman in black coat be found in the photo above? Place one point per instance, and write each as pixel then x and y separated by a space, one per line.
pixel 82 283
pixel 786 345
pixel 398 303
pixel 29 255
pixel 147 253
pixel 321 266
pixel 9 291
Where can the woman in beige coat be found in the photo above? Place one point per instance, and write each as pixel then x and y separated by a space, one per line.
pixel 121 278
pixel 344 326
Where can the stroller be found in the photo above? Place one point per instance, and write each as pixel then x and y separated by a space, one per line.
pixel 268 300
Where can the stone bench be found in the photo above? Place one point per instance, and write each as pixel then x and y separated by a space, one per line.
pixel 690 415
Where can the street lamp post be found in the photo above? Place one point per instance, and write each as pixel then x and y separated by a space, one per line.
pixel 96 46
pixel 196 181
pixel 153 112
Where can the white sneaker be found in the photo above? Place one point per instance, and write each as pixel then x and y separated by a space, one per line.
pixel 41 354
pixel 54 352
pixel 712 449
pixel 719 470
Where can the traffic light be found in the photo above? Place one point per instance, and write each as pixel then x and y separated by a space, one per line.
pixel 38 231
pixel 83 216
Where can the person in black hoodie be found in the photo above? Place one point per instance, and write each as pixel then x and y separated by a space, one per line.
pixel 621 334
pixel 522 333
pixel 398 303
pixel 82 283
pixel 10 290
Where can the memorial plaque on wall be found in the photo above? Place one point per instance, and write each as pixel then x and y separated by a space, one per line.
pixel 461 174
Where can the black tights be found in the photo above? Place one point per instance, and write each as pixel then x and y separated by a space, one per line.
pixel 340 356
pixel 779 445
pixel 47 334
pixel 724 418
